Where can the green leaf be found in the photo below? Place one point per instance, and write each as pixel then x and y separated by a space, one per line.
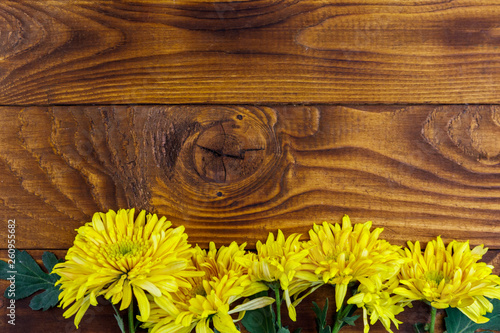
pixel 350 320
pixel 297 330
pixel 27 278
pixel 457 322
pixel 119 321
pixel 317 311
pixel 45 300
pixel 321 326
pixel 320 313
pixel 49 260
pixel 259 320
pixel 419 327
pixel 283 330
pixel 326 329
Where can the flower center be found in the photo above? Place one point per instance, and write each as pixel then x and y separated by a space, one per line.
pixel 334 255
pixel 125 248
pixel 435 276
pixel 198 290
pixel 123 255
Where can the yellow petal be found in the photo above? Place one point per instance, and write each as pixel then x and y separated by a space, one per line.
pixel 142 302
pixel 224 323
pixel 356 299
pixel 202 326
pixel 127 295
pixel 147 285
pixel 167 305
pixel 83 308
pixel 256 303
pixel 340 292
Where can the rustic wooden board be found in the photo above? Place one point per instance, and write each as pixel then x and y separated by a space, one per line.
pixel 308 51
pixel 235 172
pixel 99 319
pixel 238 172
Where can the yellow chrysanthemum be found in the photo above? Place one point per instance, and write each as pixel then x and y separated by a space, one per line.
pixel 210 297
pixel 450 277
pixel 380 303
pixel 119 257
pixel 277 260
pixel 342 255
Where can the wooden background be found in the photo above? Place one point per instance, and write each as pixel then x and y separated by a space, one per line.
pixel 239 118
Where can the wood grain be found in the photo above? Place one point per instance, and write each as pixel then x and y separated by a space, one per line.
pixel 97 102
pixel 99 319
pixel 266 51
pixel 238 172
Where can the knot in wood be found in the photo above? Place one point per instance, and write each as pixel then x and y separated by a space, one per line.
pixel 228 152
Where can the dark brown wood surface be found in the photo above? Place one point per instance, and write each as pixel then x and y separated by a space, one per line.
pixel 236 118
pixel 266 51
pixel 238 172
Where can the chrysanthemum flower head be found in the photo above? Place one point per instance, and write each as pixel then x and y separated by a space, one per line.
pixel 450 277
pixel 380 303
pixel 119 256
pixel 340 255
pixel 277 260
pixel 210 297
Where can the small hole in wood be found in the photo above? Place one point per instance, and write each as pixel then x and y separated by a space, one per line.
pixel 240 117
pixel 219 194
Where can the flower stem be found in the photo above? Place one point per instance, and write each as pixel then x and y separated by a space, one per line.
pixel 338 321
pixel 276 289
pixel 131 325
pixel 433 319
pixel 339 317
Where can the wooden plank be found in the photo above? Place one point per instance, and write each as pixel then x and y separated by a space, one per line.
pixel 238 172
pixel 100 318
pixel 308 51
